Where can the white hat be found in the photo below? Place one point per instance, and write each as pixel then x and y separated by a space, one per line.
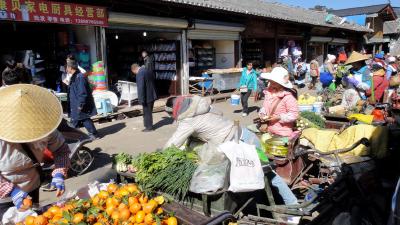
pixel 279 75
pixel 392 59
pixel 331 57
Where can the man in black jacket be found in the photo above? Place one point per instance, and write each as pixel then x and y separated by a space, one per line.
pixel 146 93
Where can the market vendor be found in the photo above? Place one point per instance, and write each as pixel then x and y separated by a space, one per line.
pixel 280 108
pixel 360 75
pixel 197 118
pixel 29 116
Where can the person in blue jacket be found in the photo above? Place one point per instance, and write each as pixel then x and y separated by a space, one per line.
pixel 81 101
pixel 248 83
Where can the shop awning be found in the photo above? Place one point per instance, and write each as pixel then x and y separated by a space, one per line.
pixel 329 40
pixel 115 19
pixel 212 30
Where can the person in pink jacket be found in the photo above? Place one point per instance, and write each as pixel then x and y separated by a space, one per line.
pixel 280 107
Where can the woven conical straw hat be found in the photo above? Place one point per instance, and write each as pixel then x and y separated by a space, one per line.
pixel 28 113
pixel 356 57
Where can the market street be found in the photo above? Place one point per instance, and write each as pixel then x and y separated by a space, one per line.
pixel 126 136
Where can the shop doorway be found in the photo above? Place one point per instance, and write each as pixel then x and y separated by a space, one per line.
pixel 42 48
pixel 124 48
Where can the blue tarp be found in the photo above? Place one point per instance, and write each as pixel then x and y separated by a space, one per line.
pixel 358 19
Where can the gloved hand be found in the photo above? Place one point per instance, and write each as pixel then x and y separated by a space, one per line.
pixel 18 196
pixel 352 81
pixel 58 182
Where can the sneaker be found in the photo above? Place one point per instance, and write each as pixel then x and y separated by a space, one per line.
pixel 244 114
pixel 93 137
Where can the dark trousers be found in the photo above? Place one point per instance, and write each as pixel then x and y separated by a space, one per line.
pixel 148 114
pixel 244 97
pixel 6 205
pixel 87 123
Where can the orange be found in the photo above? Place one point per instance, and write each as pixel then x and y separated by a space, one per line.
pixel 112 201
pixel 148 208
pixel 122 206
pixel 111 188
pixel 172 221
pixel 63 220
pixel 110 209
pixel 98 223
pixel 132 188
pixel 40 220
pixel 103 195
pixel 68 207
pixel 139 217
pixel 124 214
pixel 159 211
pixel 96 200
pixel 148 219
pixel 115 215
pixel 123 192
pixel 27 202
pixel 48 215
pixel 29 220
pixel 54 210
pixel 78 218
pixel 159 199
pixel 143 199
pixel 20 223
pixel 136 207
pixel 132 200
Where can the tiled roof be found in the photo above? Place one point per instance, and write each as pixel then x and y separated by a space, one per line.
pixel 274 11
pixel 360 10
pixel 391 27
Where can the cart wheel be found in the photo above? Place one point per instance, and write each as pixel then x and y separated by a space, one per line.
pixel 81 161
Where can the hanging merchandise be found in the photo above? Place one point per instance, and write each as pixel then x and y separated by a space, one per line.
pixel 97 77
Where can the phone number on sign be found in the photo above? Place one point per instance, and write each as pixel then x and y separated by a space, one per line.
pixel 85 21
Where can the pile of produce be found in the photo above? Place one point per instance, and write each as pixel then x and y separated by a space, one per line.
pixel 118 205
pixel 169 171
pixel 122 162
pixel 310 120
pixel 307 99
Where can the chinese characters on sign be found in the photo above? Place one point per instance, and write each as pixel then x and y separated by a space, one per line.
pixel 52 12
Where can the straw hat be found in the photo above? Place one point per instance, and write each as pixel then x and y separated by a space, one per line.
pixel 28 113
pixel 279 75
pixel 356 57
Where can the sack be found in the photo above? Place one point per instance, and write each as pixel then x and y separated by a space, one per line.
pixel 394 80
pixel 246 173
pixel 243 89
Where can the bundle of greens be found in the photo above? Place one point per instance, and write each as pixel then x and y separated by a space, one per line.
pixel 169 171
pixel 310 120
pixel 122 162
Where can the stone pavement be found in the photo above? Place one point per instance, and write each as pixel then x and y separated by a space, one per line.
pixel 126 136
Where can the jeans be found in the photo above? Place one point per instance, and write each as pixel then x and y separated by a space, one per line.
pixel 148 115
pixel 244 97
pixel 287 195
pixel 87 123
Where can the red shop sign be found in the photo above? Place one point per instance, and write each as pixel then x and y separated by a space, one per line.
pixel 53 12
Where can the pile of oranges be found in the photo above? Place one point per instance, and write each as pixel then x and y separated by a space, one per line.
pixel 118 205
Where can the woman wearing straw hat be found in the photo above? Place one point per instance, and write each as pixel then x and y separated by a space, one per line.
pixel 280 107
pixel 29 116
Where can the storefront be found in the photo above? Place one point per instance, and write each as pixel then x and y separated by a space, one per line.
pixel 128 35
pixel 259 44
pixel 319 46
pixel 214 45
pixel 40 34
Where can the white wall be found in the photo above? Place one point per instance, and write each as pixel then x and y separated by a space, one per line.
pixel 225 54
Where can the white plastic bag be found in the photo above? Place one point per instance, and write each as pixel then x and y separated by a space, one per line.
pixel 246 172
pixel 13 216
pixel 211 172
